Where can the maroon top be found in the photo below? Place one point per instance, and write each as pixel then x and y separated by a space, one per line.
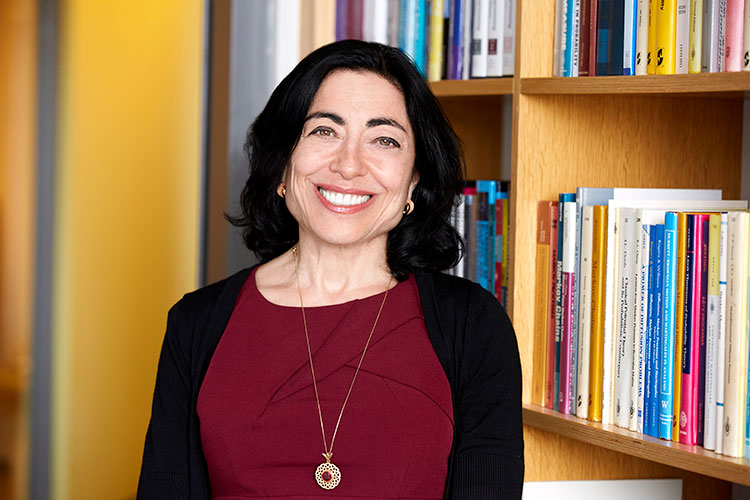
pixel 258 417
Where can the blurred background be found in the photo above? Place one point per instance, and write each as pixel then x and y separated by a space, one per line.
pixel 121 133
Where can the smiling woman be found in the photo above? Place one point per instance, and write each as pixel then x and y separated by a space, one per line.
pixel 347 329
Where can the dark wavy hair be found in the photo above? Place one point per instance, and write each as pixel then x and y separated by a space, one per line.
pixel 423 240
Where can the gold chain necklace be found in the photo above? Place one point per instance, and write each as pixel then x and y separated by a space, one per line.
pixel 327 475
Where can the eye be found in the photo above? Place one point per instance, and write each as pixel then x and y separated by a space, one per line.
pixel 322 132
pixel 387 142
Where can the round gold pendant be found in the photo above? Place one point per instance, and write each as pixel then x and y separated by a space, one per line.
pixel 328 476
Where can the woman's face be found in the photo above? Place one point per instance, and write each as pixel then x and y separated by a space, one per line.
pixel 353 168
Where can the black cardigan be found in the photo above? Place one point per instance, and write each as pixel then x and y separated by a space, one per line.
pixel 474 342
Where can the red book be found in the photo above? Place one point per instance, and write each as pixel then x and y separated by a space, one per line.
pixel 549 390
pixel 593 20
pixel 354 19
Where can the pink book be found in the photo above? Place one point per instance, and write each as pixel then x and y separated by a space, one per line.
pixel 733 37
pixel 550 391
pixel 696 270
pixel 565 402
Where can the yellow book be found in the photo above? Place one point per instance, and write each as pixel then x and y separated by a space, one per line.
pixel 598 281
pixel 678 324
pixel 666 19
pixel 435 53
pixel 541 302
pixel 651 59
pixel 695 49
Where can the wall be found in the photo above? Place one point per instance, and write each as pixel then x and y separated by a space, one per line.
pixel 126 242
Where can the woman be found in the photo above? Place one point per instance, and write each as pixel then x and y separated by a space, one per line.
pixel 346 335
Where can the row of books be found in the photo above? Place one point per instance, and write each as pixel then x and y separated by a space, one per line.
pixel 639 37
pixel 482 219
pixel 642 313
pixel 447 39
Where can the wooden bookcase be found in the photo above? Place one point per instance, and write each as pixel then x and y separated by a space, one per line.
pixel 678 131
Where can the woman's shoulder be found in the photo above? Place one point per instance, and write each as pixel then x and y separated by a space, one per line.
pixel 446 290
pixel 222 294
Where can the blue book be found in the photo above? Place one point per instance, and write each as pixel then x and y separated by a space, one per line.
pixel 656 332
pixel 420 43
pixel 647 366
pixel 455 44
pixel 488 279
pixel 630 28
pixel 609 42
pixel 407 33
pixel 571 28
pixel 666 342
pixel 482 244
pixel 562 198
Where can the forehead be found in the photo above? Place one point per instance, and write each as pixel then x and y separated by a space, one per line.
pixel 359 92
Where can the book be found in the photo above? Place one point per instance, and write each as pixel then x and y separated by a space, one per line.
pixel 509 37
pixel 624 405
pixel 584 47
pixel 712 332
pixel 584 317
pixel 721 334
pixel 573 29
pixel 680 301
pixel 593 20
pixel 355 19
pixel 435 60
pixel 746 40
pixel 714 24
pixel 666 343
pixel 695 43
pixel 656 330
pixel 610 320
pixel 486 234
pixel 630 29
pixel 495 26
pixel 651 54
pixel 682 37
pixel 479 38
pixel 375 21
pixel 455 55
pixel 641 38
pixel 471 215
pixel 609 49
pixel 563 198
pixel 468 18
pixel 341 19
pixel 394 22
pixel 541 314
pixel 598 262
pixel 459 217
pixel 666 19
pixel 561 37
pixel 733 36
pixel 735 353
pixel 500 236
pixel 642 308
pixel 550 390
pixel 565 396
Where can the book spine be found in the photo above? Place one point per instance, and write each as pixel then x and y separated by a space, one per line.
pixel 721 334
pixel 420 43
pixel 593 25
pixel 629 35
pixel 558 54
pixel 408 31
pixel 509 38
pixel 455 38
pixel 470 230
pixel 558 297
pixel 642 308
pixel 624 405
pixel 653 416
pixel 482 241
pixel 341 19
pixel 699 390
pixel 375 21
pixel 696 36
pixel 584 313
pixel 648 331
pixel 480 27
pixel 653 7
pixel 610 317
pixel 355 19
pixel 641 44
pixel 585 38
pixel 666 344
pixel 435 62
pixel 712 331
pixel 616 32
pixel 598 262
pixel 733 36
pixel 468 32
pixel 666 17
pixel 551 391
pixel 572 37
pixel 494 38
pixel 602 37
pixel 540 307
pixel 746 39
pixel 691 333
pixel 680 298
pixel 710 48
pixel 682 37
pixel 394 22
pixel 568 278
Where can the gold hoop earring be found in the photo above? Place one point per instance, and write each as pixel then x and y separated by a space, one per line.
pixel 281 190
pixel 409 208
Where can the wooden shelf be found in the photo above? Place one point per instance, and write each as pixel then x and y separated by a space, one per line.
pixel 691 458
pixel 733 85
pixel 477 87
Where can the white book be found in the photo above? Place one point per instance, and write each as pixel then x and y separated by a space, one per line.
pixel 575 38
pixel 509 37
pixel 746 39
pixel 628 37
pixel 624 406
pixel 641 307
pixel 682 37
pixel 610 321
pixel 714 20
pixel 495 38
pixel 584 312
pixel 468 7
pixel 735 353
pixel 721 337
pixel 375 21
pixel 480 29
pixel 641 38
pixel 712 332
pixel 459 213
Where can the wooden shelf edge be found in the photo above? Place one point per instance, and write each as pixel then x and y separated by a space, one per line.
pixel 691 458
pixel 476 87
pixel 733 85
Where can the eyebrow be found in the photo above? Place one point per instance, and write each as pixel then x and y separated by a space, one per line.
pixel 338 120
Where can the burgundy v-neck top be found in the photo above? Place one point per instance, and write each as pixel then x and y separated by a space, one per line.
pixel 259 421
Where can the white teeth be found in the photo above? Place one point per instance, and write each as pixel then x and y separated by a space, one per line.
pixel 342 199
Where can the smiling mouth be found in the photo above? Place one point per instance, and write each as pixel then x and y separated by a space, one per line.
pixel 344 200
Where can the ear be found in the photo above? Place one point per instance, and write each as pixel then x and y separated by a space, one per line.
pixel 413 183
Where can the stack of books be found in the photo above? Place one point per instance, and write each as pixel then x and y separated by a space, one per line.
pixel 447 39
pixel 482 218
pixel 639 37
pixel 641 313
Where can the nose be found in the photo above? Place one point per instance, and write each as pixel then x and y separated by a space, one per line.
pixel 349 162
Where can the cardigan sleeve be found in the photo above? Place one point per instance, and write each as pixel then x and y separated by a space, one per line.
pixel 165 472
pixel 488 456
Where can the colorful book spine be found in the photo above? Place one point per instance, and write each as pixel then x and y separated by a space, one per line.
pixel 733 37
pixel 610 316
pixel 642 307
pixel 666 343
pixel 648 336
pixel 550 390
pixel 435 61
pixel 653 7
pixel 695 44
pixel 593 20
pixel 656 333
pixel 394 22
pixel 420 44
pixel 471 216
pixel 488 257
pixel 721 334
pixel 712 331
pixel 504 199
pixel 455 56
pixel 573 20
pixel 541 315
pixel 499 237
pixel 585 39
pixel 598 281
pixel 666 18
pixel 355 20
pixel 699 391
pixel 341 16
pixel 562 199
pixel 630 29
pixel 610 27
pixel 561 37
pixel 584 313
pixel 565 401
pixel 680 300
